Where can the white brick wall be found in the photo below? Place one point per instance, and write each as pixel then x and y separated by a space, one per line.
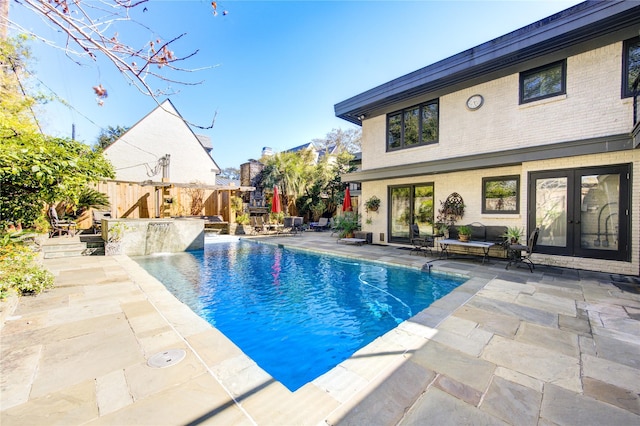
pixel 591 108
pixel 469 185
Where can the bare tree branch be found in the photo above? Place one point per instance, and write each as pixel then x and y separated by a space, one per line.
pixel 86 24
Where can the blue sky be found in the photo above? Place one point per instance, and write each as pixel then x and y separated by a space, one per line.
pixel 277 67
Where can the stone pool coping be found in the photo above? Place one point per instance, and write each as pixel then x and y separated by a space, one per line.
pixel 506 346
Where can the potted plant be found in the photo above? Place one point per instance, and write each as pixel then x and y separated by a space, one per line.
pixel 241 220
pixel 115 234
pixel 451 209
pixel 464 233
pixel 347 224
pixel 372 204
pixel 513 234
pixel 442 229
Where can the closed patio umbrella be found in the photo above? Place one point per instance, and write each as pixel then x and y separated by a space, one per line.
pixel 346 204
pixel 276 207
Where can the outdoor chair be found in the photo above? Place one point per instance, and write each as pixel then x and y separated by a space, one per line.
pixel 60 227
pixel 97 219
pixel 421 245
pixel 321 225
pixel 257 224
pixel 519 253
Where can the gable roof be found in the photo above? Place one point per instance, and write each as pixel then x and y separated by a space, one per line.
pixel 580 28
pixel 160 132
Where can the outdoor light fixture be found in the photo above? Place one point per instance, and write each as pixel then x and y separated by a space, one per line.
pixel 361 117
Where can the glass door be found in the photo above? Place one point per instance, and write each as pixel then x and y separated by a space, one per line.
pixel 582 212
pixel 410 204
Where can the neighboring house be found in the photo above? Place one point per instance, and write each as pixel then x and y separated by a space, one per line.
pixel 160 147
pixel 533 129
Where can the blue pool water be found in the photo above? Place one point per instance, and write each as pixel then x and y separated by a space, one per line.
pixel 296 314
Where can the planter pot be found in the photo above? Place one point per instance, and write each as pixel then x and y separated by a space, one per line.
pixel 463 238
pixel 113 248
pixel 240 230
pixel 373 209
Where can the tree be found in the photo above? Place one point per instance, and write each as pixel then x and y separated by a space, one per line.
pixel 290 171
pixel 34 168
pixel 345 140
pixel 109 135
pixel 232 173
pixel 88 27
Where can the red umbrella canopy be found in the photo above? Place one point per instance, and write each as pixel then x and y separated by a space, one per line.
pixel 276 207
pixel 346 204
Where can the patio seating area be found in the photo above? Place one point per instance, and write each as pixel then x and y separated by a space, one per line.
pixel 555 346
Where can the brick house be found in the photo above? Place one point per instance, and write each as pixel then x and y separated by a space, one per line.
pixel 533 129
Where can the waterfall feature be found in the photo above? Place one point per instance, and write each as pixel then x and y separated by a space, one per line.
pixel 162 237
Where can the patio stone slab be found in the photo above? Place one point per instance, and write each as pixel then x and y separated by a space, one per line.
pixel 620 351
pixel 605 392
pixel 535 361
pixel 455 364
pixel 395 392
pixel 144 380
pixel 72 405
pixel 492 322
pixel 512 402
pixel 457 389
pixel 198 401
pixel 112 392
pixel 17 371
pixel 526 313
pixel 562 407
pixel 436 407
pixel 85 357
pixel 550 338
pixel 611 372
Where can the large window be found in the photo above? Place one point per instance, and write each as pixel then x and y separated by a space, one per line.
pixel 501 194
pixel 543 82
pixel 631 65
pixel 417 125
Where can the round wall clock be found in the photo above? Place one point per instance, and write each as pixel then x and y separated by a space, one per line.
pixel 474 102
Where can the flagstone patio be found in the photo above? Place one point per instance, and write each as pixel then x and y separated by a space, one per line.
pixel 555 346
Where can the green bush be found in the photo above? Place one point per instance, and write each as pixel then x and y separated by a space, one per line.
pixel 20 270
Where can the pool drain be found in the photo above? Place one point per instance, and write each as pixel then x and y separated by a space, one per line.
pixel 166 358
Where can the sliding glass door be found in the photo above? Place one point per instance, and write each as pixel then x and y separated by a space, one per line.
pixel 410 204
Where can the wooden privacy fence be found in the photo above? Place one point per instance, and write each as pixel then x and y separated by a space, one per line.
pixel 164 199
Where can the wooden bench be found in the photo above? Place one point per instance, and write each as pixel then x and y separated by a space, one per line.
pixel 481 234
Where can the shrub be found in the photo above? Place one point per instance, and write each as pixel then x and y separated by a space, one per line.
pixel 243 219
pixel 20 270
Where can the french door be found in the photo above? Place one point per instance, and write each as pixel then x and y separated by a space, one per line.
pixel 582 212
pixel 410 204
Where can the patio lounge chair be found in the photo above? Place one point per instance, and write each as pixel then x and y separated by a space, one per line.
pixel 58 226
pixel 420 244
pixel 321 224
pixel 519 253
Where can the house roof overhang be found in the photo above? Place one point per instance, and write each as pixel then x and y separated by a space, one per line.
pixel 580 28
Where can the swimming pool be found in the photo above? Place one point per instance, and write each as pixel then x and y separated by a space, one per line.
pixel 296 314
